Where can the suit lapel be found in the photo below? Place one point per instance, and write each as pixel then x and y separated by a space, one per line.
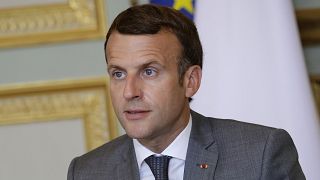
pixel 127 168
pixel 202 154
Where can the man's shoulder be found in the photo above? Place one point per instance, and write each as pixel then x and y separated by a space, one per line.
pixel 236 131
pixel 103 161
pixel 248 150
pixel 108 152
pixel 236 126
pixel 228 123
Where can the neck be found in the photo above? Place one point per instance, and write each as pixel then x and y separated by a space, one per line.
pixel 159 143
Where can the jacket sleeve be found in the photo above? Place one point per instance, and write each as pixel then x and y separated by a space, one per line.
pixel 280 158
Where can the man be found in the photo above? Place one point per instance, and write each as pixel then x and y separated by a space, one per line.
pixel 154 60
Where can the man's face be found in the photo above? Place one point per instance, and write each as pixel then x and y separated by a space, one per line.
pixel 145 91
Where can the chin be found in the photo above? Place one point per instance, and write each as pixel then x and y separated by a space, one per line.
pixel 137 135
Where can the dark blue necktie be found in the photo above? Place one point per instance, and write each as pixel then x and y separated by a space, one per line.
pixel 159 166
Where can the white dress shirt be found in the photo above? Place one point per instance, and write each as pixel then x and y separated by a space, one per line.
pixel 177 150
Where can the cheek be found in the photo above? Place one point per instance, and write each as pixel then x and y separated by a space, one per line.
pixel 116 95
pixel 164 93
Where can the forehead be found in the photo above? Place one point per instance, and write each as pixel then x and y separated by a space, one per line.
pixel 163 43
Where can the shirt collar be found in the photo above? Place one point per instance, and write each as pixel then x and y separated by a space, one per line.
pixel 177 149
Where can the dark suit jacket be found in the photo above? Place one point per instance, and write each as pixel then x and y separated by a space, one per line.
pixel 231 149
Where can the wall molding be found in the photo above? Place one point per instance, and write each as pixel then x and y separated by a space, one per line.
pixel 75 19
pixel 85 99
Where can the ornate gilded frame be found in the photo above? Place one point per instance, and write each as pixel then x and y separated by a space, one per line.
pixel 75 19
pixel 315 83
pixel 309 25
pixel 85 99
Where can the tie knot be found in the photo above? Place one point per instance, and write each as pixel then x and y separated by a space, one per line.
pixel 159 166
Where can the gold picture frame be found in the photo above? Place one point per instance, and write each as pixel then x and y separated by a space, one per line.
pixel 315 84
pixel 33 24
pixel 309 25
pixel 85 99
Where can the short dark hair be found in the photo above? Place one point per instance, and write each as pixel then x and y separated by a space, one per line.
pixel 150 19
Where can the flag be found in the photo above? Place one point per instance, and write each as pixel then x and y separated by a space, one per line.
pixel 254 71
pixel 184 6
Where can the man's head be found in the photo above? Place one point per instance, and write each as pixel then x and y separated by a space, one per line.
pixel 150 19
pixel 145 50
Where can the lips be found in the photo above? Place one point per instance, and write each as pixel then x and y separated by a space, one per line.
pixel 136 114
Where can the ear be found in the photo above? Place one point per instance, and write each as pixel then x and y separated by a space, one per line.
pixel 192 80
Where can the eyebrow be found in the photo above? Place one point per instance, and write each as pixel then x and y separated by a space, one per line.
pixel 113 67
pixel 151 62
pixel 140 66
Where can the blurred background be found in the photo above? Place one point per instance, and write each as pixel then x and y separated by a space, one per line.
pixel 54 102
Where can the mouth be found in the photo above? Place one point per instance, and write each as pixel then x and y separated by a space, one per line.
pixel 136 114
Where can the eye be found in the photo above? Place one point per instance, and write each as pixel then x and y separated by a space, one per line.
pixel 118 75
pixel 149 72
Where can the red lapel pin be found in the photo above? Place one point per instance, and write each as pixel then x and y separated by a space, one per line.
pixel 203 166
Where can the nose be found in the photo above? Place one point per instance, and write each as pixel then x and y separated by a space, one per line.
pixel 132 89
